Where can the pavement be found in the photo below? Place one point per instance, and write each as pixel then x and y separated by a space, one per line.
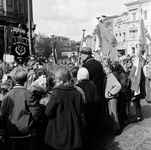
pixel 106 140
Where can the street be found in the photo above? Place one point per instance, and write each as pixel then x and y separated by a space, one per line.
pixel 133 135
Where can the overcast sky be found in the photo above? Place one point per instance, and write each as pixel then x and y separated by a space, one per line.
pixel 68 17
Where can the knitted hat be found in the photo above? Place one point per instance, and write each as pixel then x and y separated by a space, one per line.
pixel 82 74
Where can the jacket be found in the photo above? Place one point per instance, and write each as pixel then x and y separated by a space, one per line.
pixel 20 113
pixel 112 86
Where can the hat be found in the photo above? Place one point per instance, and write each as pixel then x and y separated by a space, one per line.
pixel 86 50
pixel 82 74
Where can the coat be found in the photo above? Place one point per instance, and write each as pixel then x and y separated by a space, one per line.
pixel 112 86
pixel 96 73
pixel 20 112
pixel 91 96
pixel 64 111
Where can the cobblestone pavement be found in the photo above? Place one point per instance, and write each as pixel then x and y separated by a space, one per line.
pixel 107 139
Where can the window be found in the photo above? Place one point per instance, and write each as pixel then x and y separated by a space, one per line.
pixel 133 33
pixel 130 34
pixel 9 2
pixel 21 8
pixel 124 37
pixel 133 50
pixel 1 3
pixel 133 16
pixel 145 15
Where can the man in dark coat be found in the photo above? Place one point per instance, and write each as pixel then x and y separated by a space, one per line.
pixel 96 75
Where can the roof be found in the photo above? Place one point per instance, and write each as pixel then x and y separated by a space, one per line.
pixel 124 14
pixel 111 17
pixel 136 2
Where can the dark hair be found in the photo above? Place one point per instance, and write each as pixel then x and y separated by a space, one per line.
pixel 49 82
pixel 41 71
pixel 74 71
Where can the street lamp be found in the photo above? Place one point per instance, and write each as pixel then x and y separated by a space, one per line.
pixel 54 49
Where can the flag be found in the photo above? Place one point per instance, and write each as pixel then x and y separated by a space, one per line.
pixel 142 39
pixel 147 35
pixel 135 73
pixel 98 38
pixel 108 43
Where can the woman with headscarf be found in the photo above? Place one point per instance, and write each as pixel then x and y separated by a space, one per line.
pixel 91 96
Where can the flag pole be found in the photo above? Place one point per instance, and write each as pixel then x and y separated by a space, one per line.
pixel 81 44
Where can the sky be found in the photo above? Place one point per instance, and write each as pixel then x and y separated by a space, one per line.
pixel 68 17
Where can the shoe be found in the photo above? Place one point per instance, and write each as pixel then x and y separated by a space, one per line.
pixel 116 132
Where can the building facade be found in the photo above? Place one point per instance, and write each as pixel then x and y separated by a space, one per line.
pixel 133 23
pixel 126 27
pixel 13 19
pixel 119 31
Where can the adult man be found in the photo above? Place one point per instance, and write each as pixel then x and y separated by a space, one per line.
pixel 96 75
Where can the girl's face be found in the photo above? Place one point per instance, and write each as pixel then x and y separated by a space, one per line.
pixel 107 70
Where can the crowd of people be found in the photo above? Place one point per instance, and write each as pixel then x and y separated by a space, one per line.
pixel 65 107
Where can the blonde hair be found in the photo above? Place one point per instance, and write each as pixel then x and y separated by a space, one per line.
pixel 63 73
pixel 19 75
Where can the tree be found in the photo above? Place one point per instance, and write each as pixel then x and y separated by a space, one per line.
pixel 43 46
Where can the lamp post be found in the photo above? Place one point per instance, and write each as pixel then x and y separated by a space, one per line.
pixel 53 44
pixel 54 49
pixel 30 25
pixel 83 44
